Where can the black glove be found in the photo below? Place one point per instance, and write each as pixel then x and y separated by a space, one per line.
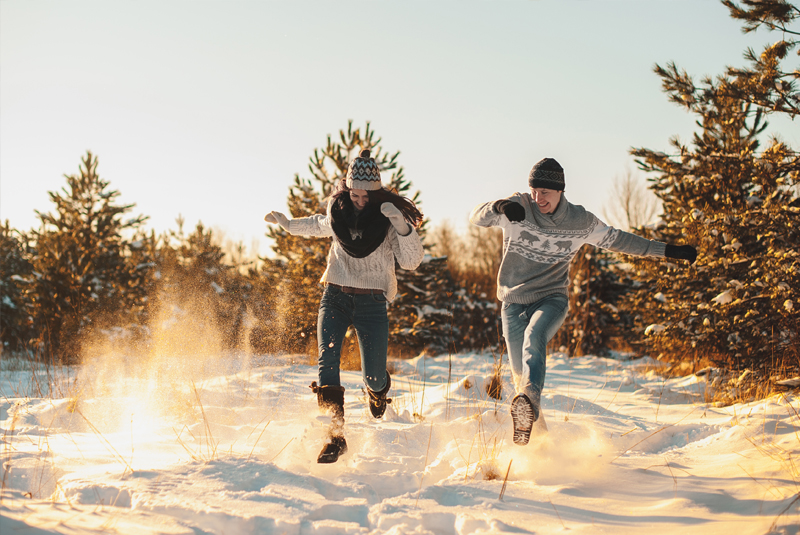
pixel 512 210
pixel 684 252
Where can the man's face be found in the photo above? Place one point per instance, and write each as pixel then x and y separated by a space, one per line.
pixel 546 199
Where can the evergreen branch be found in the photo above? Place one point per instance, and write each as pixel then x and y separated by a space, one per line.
pixel 762 12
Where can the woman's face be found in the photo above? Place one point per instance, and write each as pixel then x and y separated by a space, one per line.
pixel 546 199
pixel 360 198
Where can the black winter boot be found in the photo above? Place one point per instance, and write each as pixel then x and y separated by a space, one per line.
pixel 331 399
pixel 333 449
pixel 378 400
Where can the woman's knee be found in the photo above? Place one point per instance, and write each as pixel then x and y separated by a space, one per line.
pixel 374 382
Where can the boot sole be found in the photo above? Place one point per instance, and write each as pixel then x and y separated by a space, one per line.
pixel 523 417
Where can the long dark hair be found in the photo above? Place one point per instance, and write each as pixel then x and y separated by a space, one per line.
pixel 379 196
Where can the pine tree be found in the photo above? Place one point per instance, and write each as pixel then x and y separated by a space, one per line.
pixel 599 280
pixel 15 276
pixel 737 202
pixel 472 320
pixel 84 275
pixel 422 315
pixel 300 261
pixel 595 324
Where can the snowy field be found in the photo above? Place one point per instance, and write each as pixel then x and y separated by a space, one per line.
pixel 228 445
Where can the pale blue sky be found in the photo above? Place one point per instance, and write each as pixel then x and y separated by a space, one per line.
pixel 209 108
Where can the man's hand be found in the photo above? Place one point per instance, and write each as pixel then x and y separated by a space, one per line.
pixel 512 210
pixel 682 252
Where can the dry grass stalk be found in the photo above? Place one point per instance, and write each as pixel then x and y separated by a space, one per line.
pixel 653 434
pixel 422 477
pixel 777 518
pixel 558 515
pixel 7 464
pixel 105 440
pixel 211 446
pixel 505 481
pixel 283 448
pixel 257 440
pixel 183 444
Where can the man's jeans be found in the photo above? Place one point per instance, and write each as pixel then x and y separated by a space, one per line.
pixel 367 313
pixel 527 329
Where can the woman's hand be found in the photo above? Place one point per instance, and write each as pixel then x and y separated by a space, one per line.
pixel 396 218
pixel 277 218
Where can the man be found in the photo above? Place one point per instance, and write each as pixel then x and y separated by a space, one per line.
pixel 542 232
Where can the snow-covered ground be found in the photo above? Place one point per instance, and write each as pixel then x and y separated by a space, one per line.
pixel 229 445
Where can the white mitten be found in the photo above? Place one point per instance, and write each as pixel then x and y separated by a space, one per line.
pixel 277 218
pixel 396 218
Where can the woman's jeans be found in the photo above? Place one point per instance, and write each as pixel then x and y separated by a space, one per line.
pixel 367 313
pixel 527 329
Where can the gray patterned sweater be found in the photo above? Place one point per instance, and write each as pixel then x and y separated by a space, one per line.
pixel 537 250
pixel 375 271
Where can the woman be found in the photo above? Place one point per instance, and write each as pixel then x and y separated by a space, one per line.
pixel 542 232
pixel 371 227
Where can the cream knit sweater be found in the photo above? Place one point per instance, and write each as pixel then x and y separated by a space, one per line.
pixel 375 271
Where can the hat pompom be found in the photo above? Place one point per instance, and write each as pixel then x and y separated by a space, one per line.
pixel 364 154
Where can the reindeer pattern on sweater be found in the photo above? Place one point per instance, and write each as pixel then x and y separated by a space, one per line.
pixel 551 246
pixel 537 250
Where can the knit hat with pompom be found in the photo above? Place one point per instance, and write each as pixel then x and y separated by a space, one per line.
pixel 363 173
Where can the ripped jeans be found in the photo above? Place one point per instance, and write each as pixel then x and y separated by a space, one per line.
pixel 527 330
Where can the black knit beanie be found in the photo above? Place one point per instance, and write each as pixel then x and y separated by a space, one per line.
pixel 547 173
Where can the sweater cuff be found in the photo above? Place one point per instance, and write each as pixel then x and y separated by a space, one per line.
pixel 294 227
pixel 412 234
